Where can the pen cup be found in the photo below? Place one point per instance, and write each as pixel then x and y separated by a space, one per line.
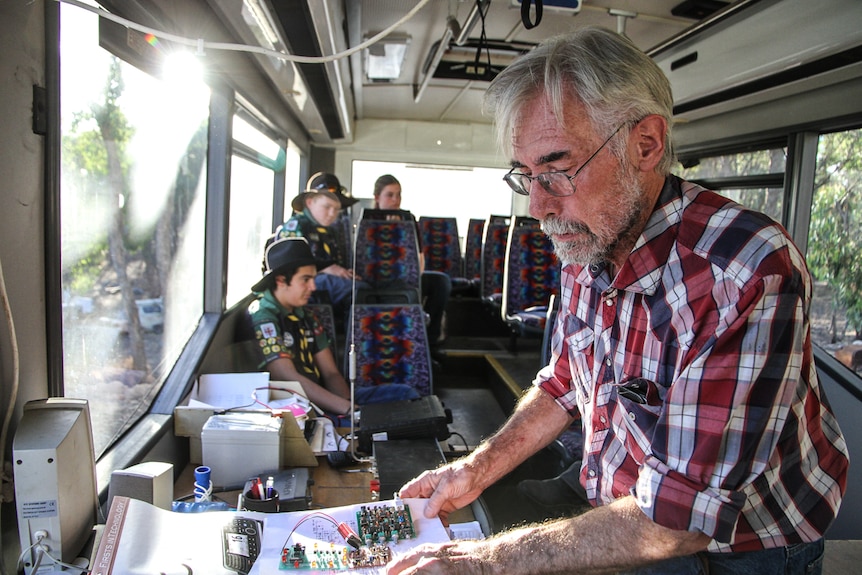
pixel 251 502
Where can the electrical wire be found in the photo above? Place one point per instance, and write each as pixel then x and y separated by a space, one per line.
pixel 13 394
pixel 43 552
pixel 201 45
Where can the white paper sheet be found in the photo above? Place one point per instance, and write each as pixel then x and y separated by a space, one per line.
pixel 283 529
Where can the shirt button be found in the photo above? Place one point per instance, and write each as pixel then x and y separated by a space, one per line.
pixel 632 415
pixel 591 472
pixel 602 419
pixel 608 361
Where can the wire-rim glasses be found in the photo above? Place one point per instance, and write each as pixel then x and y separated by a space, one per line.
pixel 552 182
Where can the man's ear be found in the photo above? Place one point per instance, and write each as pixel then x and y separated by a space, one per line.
pixel 647 141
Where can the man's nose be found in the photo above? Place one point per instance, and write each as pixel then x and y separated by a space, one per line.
pixel 542 204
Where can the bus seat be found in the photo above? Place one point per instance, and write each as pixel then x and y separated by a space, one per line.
pixel 390 346
pixel 442 250
pixel 326 317
pixel 548 334
pixel 532 275
pixel 387 254
pixel 494 241
pixel 345 237
pixel 473 250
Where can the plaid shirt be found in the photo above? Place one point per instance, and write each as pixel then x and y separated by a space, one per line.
pixel 693 375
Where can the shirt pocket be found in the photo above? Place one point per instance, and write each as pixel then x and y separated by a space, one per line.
pixel 579 343
pixel 641 402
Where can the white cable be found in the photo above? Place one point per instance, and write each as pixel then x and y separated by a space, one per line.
pixel 351 356
pixel 200 44
pixel 13 394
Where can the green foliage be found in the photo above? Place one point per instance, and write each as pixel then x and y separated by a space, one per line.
pixel 835 234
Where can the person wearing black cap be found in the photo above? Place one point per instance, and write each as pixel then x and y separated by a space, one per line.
pixel 317 210
pixel 292 343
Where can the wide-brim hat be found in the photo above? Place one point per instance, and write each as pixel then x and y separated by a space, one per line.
pixel 286 253
pixel 299 202
pixel 329 182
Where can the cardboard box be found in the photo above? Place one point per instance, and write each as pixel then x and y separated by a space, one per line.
pixel 189 421
pixel 294 450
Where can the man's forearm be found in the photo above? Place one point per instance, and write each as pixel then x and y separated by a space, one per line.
pixel 603 540
pixel 536 422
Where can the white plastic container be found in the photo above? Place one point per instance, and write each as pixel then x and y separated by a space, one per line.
pixel 237 446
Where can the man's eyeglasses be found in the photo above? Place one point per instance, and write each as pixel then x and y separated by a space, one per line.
pixel 557 184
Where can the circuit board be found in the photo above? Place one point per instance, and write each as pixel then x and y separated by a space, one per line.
pixel 333 557
pixel 379 526
pixel 385 523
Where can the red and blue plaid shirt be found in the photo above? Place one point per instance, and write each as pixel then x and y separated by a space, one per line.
pixel 693 375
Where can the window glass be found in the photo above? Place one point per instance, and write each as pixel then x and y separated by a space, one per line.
pixel 757 162
pixel 735 169
pixel 251 188
pixel 132 212
pixel 244 132
pixel 292 184
pixel 434 191
pixel 835 245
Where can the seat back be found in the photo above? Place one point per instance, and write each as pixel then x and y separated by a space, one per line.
pixel 391 346
pixel 494 256
pixel 344 225
pixel 387 254
pixel 532 272
pixel 440 245
pixel 326 317
pixel 548 334
pixel 473 250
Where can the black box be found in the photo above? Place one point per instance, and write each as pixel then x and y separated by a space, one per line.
pixel 411 419
pixel 400 460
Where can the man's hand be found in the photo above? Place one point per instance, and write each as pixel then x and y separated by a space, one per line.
pixel 447 488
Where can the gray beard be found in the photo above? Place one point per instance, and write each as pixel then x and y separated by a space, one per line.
pixel 600 247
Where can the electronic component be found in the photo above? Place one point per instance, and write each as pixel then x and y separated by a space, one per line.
pixel 382 523
pixel 379 526
pixel 333 557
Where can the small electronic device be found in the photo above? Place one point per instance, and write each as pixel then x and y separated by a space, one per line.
pixel 409 419
pixel 55 479
pixel 241 543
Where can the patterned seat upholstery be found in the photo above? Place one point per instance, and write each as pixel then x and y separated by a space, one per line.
pixel 473 250
pixel 391 346
pixel 440 245
pixel 532 275
pixel 494 259
pixel 387 254
pixel 442 250
pixel 324 314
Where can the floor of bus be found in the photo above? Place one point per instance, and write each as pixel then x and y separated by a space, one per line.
pixel 476 370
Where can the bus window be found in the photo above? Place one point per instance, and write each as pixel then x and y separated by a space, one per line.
pixel 835 246
pixel 754 179
pixel 249 225
pixel 430 190
pixel 132 212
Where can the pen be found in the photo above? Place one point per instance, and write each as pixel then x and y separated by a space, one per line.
pixel 269 482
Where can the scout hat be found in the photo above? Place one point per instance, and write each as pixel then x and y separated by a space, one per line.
pixel 283 254
pixel 324 181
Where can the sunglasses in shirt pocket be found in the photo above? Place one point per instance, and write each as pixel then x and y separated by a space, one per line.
pixel 642 403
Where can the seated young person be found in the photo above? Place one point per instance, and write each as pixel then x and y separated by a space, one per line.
pixel 317 209
pixel 292 343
